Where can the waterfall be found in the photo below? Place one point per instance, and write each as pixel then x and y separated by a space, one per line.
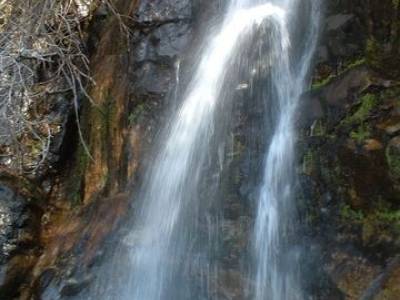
pixel 174 233
pixel 276 274
pixel 169 212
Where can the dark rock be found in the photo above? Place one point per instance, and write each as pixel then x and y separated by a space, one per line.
pixel 152 79
pixel 161 11
pixel 74 286
pixel 170 39
pixel 322 54
pixel 19 224
pixel 354 155
pixel 382 282
pixel 12 219
pixel 338 21
pixel 338 92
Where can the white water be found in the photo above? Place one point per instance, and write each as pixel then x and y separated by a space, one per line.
pixel 276 273
pixel 169 212
pixel 168 243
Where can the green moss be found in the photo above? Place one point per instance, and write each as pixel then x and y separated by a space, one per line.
pixel 319 84
pixel 354 63
pixel 388 216
pixel 361 134
pixel 383 223
pixel 367 103
pixel 393 160
pixel 347 67
pixel 134 117
pixel 379 223
pixel 96 127
pixel 349 214
pixel 358 120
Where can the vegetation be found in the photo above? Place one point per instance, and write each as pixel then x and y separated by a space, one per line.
pixel 393 160
pixel 367 103
pixel 43 64
pixel 347 213
pixel 42 57
pixel 361 133
pixel 381 222
pixel 331 77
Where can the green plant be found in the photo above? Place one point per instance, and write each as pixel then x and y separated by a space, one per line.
pixel 361 134
pixel 367 103
pixel 348 213
pixel 393 160
pixel 347 66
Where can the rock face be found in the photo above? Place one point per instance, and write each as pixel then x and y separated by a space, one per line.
pixel 54 232
pixel 19 233
pixel 135 67
pixel 350 155
pixel 134 64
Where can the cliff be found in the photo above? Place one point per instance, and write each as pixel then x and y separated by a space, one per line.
pixel 57 224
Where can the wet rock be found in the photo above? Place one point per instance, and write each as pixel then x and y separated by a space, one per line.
pixel 337 92
pixel 19 224
pixel 14 274
pixel 16 219
pixel 171 39
pixel 73 243
pixel 163 11
pixel 230 285
pixel 152 79
pixel 162 44
pixel 74 286
pixel 386 285
pixel 343 36
pixel 338 21
pixel 352 273
pixel 351 155
pixel 322 54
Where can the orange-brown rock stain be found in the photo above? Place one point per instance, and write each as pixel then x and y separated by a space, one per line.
pixel 79 219
pixel 77 233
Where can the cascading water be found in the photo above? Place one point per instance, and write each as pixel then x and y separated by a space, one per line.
pixel 175 235
pixel 169 212
pixel 276 276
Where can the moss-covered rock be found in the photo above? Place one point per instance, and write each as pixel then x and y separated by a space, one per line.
pixel 350 162
pixel 393 156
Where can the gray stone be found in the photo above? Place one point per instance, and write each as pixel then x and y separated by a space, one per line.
pixel 336 22
pixel 163 10
pixel 11 219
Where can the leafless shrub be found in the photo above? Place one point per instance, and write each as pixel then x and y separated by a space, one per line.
pixel 42 59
